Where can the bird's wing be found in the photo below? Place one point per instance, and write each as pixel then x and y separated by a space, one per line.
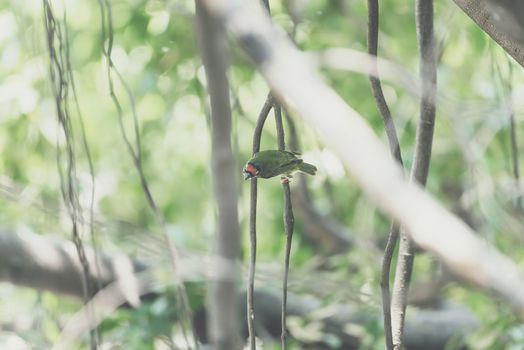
pixel 286 167
pixel 293 153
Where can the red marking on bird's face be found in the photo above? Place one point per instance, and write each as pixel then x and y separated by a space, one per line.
pixel 250 171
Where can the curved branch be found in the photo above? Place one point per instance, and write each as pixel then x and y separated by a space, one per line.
pixel 421 161
pixel 394 146
pixel 289 223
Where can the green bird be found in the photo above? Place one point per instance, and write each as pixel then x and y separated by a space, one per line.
pixel 266 164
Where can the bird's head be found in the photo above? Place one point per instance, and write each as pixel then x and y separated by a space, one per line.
pixel 250 171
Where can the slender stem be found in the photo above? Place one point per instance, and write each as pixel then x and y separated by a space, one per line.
pixel 257 135
pixel 134 148
pixel 422 157
pixel 289 221
pixel 394 146
pixel 376 86
pixel 61 78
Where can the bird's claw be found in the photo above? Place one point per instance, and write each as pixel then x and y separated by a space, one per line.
pixel 284 180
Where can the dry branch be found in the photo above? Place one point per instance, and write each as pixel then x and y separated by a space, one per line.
pixel 302 91
pixel 257 135
pixel 421 159
pixel 394 146
pixel 289 224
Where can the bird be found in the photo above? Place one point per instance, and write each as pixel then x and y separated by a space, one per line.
pixel 270 163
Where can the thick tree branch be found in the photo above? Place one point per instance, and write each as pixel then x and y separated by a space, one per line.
pixel 36 262
pixel 501 20
pixel 303 92
pixel 50 265
pixel 223 294
pixel 257 135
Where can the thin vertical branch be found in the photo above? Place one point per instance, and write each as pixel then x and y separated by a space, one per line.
pixel 94 242
pixel 394 146
pixel 428 78
pixel 257 135
pixel 376 86
pixel 134 148
pixel 422 157
pixel 288 212
pixel 223 296
pixel 289 222
pixel 384 282
pixel 60 73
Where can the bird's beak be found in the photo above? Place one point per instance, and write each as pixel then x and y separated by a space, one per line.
pixel 247 175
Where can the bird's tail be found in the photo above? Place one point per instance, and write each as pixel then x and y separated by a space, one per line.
pixel 308 168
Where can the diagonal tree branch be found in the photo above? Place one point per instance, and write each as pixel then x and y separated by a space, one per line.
pixel 302 91
pixel 501 20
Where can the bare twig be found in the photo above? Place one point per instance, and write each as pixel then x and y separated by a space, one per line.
pixel 394 146
pixel 135 152
pixel 61 75
pixel 289 222
pixel 257 135
pixel 376 86
pixel 87 150
pixel 422 158
pixel 94 241
pixel 288 212
pixel 223 297
pixel 384 282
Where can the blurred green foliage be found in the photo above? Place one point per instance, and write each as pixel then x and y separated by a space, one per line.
pixel 155 50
